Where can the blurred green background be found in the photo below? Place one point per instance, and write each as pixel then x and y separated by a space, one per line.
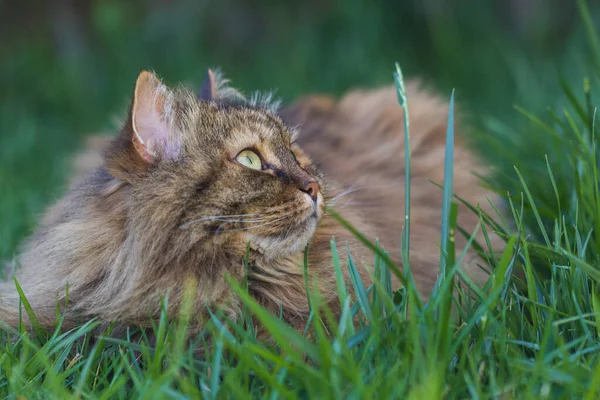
pixel 67 69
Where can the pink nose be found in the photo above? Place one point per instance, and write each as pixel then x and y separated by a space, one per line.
pixel 312 189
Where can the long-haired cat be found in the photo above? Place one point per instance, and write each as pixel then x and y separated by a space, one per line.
pixel 191 180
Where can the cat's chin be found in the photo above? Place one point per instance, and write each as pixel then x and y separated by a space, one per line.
pixel 280 246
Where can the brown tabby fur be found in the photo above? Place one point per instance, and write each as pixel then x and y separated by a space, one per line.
pixel 125 233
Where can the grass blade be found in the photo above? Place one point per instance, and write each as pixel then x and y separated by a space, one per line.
pixel 447 195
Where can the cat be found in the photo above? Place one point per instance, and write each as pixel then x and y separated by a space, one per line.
pixel 192 179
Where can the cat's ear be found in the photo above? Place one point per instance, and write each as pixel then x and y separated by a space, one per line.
pixel 209 88
pixel 152 124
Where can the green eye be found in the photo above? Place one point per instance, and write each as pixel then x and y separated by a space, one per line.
pixel 294 155
pixel 249 159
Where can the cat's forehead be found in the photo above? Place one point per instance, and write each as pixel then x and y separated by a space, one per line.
pixel 261 126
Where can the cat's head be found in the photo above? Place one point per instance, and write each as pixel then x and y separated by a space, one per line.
pixel 215 170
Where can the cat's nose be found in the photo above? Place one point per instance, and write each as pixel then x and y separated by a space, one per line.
pixel 312 189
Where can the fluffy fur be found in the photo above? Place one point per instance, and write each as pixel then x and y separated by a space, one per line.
pixel 155 212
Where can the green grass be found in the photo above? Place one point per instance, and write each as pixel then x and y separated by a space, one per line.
pixel 531 332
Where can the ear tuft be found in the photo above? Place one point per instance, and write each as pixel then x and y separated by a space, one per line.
pixel 152 119
pixel 209 88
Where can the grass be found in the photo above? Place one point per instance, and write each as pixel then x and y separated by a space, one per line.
pixel 531 332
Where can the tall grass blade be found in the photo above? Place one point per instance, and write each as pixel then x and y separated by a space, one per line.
pixel 448 193
pixel 41 331
pixel 402 99
pixel 359 287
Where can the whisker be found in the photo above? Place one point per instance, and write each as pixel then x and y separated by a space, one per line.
pixel 226 218
pixel 352 189
pixel 219 229
pixel 230 215
pixel 255 218
pixel 346 192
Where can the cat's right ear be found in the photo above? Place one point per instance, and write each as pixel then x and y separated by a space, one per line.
pixel 152 119
pixel 209 88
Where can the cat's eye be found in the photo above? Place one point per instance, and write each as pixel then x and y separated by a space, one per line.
pixel 249 159
pixel 294 155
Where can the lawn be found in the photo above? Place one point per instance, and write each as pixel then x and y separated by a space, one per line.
pixel 531 332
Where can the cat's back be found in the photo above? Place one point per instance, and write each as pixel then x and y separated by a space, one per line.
pixel 358 135
pixel 358 141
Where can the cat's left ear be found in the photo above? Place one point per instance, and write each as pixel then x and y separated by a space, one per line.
pixel 152 119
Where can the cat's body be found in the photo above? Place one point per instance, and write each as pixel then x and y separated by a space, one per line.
pixel 177 198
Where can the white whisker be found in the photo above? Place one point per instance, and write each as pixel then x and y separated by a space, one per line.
pixel 346 192
pixel 226 218
pixel 249 227
pixel 352 189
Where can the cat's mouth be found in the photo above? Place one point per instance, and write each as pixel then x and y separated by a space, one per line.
pixel 287 241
